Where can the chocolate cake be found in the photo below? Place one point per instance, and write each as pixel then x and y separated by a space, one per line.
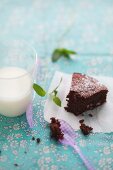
pixel 86 93
pixel 56 132
pixel 86 130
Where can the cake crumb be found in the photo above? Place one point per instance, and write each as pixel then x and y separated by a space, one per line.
pixel 15 164
pixel 38 140
pixel 56 132
pixel 81 121
pixel 33 138
pixel 86 130
pixel 90 115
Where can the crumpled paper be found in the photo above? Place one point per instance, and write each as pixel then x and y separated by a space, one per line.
pixel 102 120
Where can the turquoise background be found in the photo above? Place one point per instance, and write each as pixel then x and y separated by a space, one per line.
pixel 84 26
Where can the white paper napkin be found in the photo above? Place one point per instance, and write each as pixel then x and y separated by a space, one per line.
pixel 102 120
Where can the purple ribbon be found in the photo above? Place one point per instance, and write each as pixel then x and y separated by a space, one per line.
pixel 29 110
pixel 29 115
pixel 69 139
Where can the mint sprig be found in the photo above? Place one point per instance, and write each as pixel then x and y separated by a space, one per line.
pixel 55 90
pixel 62 52
pixel 41 92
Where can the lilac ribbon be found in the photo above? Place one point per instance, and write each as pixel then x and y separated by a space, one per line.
pixel 29 115
pixel 69 139
pixel 29 110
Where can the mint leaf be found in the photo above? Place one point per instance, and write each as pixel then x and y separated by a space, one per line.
pixel 39 90
pixel 62 52
pixel 66 51
pixel 67 56
pixel 56 55
pixel 56 100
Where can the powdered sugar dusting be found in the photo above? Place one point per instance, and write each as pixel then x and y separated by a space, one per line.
pixel 85 85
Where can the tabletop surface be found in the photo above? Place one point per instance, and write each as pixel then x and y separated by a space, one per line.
pixel 83 26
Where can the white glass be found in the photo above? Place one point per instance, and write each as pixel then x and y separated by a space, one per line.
pixel 17 69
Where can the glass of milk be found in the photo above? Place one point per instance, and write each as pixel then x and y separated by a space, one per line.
pixel 18 62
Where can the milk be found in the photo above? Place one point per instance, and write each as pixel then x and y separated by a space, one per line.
pixel 15 91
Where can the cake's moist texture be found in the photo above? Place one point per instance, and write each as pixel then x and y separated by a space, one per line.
pixel 86 93
pixel 56 132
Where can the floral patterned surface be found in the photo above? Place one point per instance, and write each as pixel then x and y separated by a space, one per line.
pixel 84 26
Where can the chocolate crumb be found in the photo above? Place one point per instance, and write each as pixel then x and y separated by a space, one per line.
pixel 25 152
pixel 81 121
pixel 38 140
pixel 0 152
pixel 86 130
pixel 56 132
pixel 90 115
pixel 16 165
pixel 33 138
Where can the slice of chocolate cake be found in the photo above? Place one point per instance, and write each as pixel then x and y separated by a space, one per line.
pixel 86 93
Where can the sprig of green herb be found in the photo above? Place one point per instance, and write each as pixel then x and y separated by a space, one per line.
pixel 41 92
pixel 55 90
pixel 62 52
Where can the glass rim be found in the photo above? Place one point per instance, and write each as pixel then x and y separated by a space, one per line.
pixel 27 72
